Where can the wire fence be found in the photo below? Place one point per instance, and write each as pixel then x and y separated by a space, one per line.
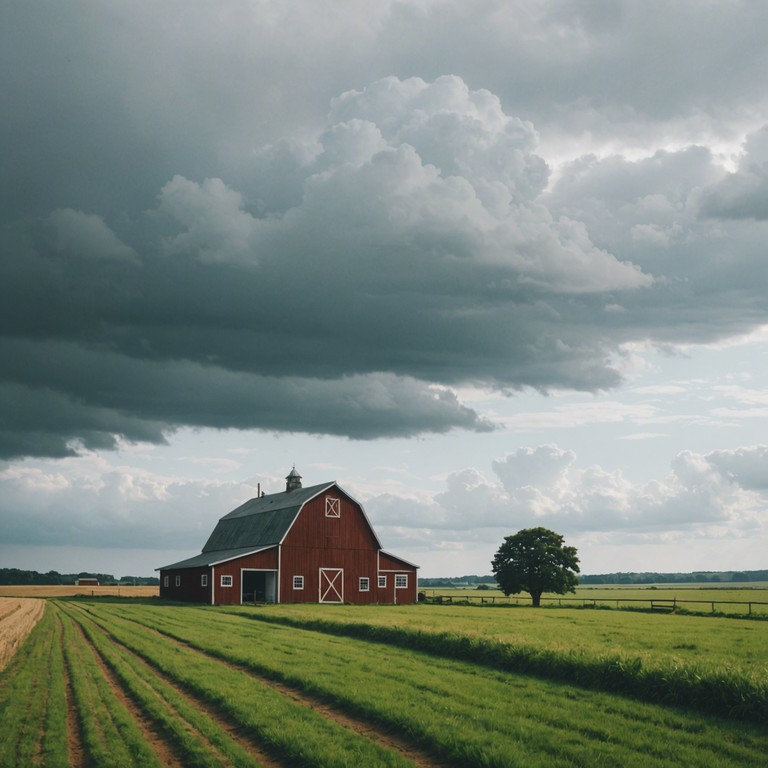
pixel 739 607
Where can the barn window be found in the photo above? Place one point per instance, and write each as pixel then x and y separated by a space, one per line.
pixel 401 580
pixel 165 581
pixel 203 579
pixel 332 507
pixel 382 581
pixel 365 584
pixel 226 581
pixel 298 582
pixel 178 581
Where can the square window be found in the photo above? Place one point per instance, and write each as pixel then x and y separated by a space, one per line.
pixel 365 584
pixel 382 581
pixel 204 580
pixel 298 582
pixel 165 581
pixel 401 581
pixel 332 507
pixel 178 581
pixel 226 581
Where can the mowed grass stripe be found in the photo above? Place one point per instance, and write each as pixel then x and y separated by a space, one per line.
pixel 466 713
pixel 712 643
pixel 290 731
pixel 723 691
pixel 189 723
pixel 32 710
pixel 111 736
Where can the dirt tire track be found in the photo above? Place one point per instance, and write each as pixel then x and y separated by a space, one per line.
pixel 417 755
pixel 153 735
pixel 232 729
pixel 75 751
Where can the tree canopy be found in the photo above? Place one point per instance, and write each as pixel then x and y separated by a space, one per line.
pixel 535 560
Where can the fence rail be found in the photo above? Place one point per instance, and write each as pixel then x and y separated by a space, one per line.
pixel 655 604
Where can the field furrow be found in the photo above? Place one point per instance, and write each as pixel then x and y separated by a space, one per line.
pixel 74 741
pixel 115 683
pixel 365 728
pixel 464 713
pixel 165 754
pixel 292 732
pixel 200 733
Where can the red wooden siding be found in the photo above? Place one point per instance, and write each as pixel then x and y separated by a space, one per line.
pixel 335 536
pixel 232 595
pixel 313 528
pixel 189 589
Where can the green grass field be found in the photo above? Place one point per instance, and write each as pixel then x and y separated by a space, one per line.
pixel 114 682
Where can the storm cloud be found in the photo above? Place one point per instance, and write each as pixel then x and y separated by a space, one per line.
pixel 529 235
pixel 174 254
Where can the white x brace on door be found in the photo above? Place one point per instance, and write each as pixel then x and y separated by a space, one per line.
pixel 331 585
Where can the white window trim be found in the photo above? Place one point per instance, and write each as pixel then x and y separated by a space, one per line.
pixel 332 507
pixel 365 584
pixel 178 581
pixel 298 582
pixel 165 581
pixel 226 581
pixel 382 582
pixel 203 579
pixel 401 581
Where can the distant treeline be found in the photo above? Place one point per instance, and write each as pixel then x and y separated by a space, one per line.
pixel 697 577
pixel 16 577
pixel 458 581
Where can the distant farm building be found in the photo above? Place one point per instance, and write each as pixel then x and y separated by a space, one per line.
pixel 303 545
pixel 87 582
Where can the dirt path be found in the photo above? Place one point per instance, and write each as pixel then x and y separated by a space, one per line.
pixel 75 751
pixel 17 618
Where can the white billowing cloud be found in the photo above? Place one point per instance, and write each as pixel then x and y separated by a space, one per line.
pixel 433 167
pixel 461 132
pixel 96 506
pixel 723 492
pixel 543 467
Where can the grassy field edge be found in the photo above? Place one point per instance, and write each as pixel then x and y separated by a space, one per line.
pixel 726 693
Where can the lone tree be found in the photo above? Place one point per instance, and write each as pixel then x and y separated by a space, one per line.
pixel 534 560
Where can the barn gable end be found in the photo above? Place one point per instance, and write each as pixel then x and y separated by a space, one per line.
pixel 312 544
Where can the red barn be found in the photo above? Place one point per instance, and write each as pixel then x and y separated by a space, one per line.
pixel 304 545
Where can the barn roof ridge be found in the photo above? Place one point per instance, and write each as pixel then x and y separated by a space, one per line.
pixel 280 500
pixel 261 523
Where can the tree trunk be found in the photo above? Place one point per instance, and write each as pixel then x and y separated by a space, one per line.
pixel 536 599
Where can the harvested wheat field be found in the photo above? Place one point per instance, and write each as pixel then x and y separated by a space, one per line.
pixel 17 617
pixel 65 590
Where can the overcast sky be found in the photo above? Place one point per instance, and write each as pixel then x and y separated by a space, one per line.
pixel 487 265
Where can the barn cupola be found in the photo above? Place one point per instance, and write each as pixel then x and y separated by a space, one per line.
pixel 292 481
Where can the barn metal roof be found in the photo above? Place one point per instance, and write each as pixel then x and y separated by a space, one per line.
pixel 211 558
pixel 262 521
pixel 259 524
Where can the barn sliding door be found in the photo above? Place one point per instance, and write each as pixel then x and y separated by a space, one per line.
pixel 331 585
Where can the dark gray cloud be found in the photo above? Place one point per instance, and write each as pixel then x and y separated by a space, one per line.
pixel 197 232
